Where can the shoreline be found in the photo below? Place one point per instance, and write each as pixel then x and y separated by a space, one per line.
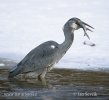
pixel 6 63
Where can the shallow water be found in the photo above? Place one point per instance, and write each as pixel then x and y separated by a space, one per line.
pixel 61 84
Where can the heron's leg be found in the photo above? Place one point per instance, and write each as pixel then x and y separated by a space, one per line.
pixel 49 68
pixel 42 75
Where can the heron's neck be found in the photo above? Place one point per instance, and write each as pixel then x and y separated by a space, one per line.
pixel 69 37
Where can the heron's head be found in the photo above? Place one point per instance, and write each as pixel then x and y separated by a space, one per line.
pixel 76 23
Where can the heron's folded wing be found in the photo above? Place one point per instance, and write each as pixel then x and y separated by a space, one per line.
pixel 39 58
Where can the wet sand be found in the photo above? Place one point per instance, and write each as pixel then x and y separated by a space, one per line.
pixel 61 84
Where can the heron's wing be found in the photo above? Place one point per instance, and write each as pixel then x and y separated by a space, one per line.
pixel 39 58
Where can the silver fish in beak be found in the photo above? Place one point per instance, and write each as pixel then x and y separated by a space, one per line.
pixel 83 25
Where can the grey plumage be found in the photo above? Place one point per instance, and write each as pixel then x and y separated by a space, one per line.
pixel 42 58
pixel 38 59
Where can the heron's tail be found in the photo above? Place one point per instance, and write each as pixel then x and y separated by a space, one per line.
pixel 14 71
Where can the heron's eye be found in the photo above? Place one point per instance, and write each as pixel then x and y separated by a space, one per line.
pixel 76 23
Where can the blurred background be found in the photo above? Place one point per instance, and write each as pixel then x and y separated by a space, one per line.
pixel 24 24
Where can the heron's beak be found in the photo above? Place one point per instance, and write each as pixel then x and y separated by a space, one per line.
pixel 83 25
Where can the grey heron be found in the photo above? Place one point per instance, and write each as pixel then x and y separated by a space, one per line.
pixel 42 58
